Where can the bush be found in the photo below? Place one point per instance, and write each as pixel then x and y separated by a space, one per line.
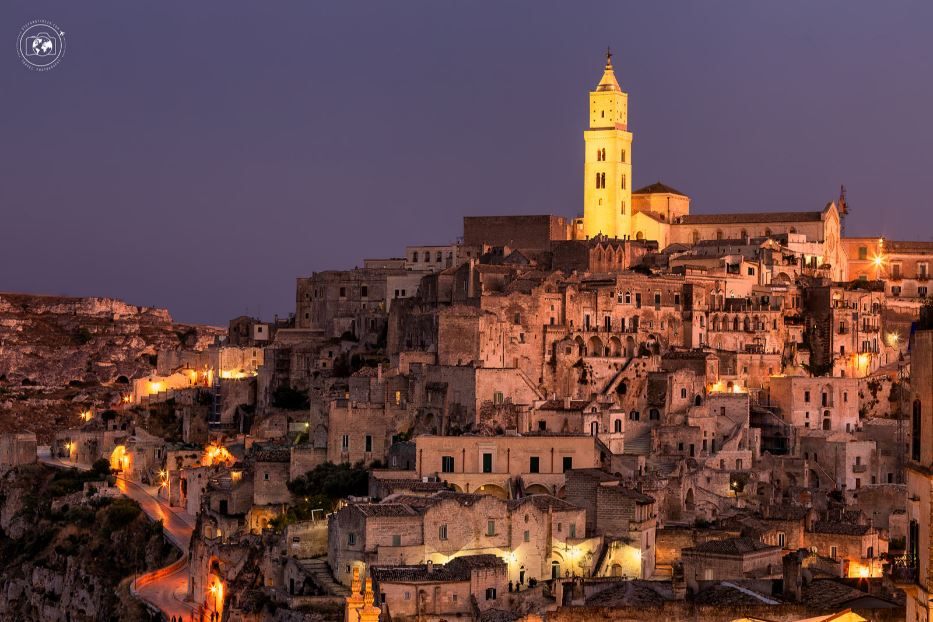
pixel 288 398
pixel 333 481
pixel 101 467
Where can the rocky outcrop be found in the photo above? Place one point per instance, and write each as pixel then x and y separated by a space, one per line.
pixel 71 565
pixel 60 355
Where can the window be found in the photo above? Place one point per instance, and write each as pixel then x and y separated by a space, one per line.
pixel 345 442
pixel 833 552
pixel 497 397
pixel 623 182
pixel 364 291
pixel 781 539
pixel 369 443
pixel 534 465
pixel 863 253
pixel 442 532
pixel 751 271
pixel 414 257
pixel 396 539
pixel 447 464
pixel 490 527
pixel 617 426
pixel 487 463
pixel 351 539
pixel 806 397
pixel 623 156
pixel 343 292
pixel 657 300
pixel 922 291
pixel 526 536
pixel 490 593
pixel 634 415
pixel 683 393
pixel 568 463
pixel 572 530
pixel 517 319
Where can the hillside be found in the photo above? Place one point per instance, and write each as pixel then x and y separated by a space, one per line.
pixel 60 355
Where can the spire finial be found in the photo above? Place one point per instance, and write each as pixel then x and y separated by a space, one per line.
pixel 608 57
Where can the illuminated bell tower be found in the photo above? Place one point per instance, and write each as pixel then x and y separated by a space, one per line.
pixel 607 169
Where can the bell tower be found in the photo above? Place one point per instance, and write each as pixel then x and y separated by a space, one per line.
pixel 607 169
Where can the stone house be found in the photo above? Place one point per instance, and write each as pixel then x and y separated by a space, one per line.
pixel 539 536
pixel 496 464
pixel 437 591
pixel 822 403
pixel 731 558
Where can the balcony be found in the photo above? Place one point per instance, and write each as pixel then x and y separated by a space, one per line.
pixel 903 571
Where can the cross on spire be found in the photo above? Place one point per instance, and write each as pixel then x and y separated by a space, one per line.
pixel 608 57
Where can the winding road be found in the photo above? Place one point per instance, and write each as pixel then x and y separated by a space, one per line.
pixel 164 588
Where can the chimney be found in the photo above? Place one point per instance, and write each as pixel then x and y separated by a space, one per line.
pixel 678 581
pixel 793 579
pixel 430 566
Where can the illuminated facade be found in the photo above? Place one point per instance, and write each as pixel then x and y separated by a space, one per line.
pixel 607 169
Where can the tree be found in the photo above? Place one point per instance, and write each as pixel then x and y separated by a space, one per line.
pixel 290 399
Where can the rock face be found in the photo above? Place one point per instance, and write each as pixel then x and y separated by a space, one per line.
pixel 72 564
pixel 60 355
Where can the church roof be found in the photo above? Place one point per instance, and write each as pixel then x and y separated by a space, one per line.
pixel 658 188
pixel 608 81
pixel 755 217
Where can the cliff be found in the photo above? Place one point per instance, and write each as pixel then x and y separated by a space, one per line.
pixel 72 563
pixel 60 355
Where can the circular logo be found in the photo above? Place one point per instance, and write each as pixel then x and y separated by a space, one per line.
pixel 41 44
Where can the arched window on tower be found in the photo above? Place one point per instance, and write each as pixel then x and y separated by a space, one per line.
pixel 623 182
pixel 602 180
pixel 597 181
pixel 623 155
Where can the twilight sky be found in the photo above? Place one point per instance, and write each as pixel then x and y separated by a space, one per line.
pixel 201 155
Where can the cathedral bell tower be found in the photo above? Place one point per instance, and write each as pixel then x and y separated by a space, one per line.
pixel 607 169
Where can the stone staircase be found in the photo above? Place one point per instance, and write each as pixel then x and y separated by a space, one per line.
pixel 639 445
pixel 319 571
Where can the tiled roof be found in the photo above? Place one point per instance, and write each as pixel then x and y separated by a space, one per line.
pixel 785 512
pixel 841 528
pixel 272 454
pixel 543 503
pixel 749 218
pixel 384 509
pixel 457 569
pixel 658 188
pixel 730 546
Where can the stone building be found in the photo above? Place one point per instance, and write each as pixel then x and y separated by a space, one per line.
pixel 915 572
pixel 538 536
pixel 437 591
pixel 17 449
pixel 822 403
pixel 501 465
pixel 903 266
pixel 731 558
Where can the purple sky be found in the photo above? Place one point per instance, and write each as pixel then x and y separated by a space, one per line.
pixel 202 155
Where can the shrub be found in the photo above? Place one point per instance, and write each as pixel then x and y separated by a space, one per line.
pixel 290 399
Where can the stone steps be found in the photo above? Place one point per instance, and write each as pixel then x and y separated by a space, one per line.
pixel 320 572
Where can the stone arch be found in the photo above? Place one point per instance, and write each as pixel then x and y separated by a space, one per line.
pixel 630 346
pixel 536 489
pixel 639 235
pixel 690 501
pixel 654 344
pixel 594 346
pixel 735 323
pixel 493 490
pixel 697 400
pixel 581 345
pixel 615 346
